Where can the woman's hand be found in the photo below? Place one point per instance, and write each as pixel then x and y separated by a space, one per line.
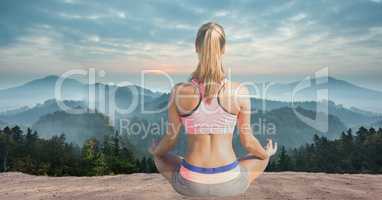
pixel 153 146
pixel 270 149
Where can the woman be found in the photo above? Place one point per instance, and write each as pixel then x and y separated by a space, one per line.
pixel 209 107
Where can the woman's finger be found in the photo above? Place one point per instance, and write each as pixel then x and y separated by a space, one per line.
pixel 270 143
pixel 275 149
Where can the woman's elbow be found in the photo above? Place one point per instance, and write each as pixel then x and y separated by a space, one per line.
pixel 263 156
pixel 246 144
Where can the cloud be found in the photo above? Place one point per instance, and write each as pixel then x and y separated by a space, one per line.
pixel 288 37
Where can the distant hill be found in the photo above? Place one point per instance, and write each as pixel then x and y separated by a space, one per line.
pixel 28 116
pixel 14 111
pixel 350 116
pixel 289 125
pixel 289 130
pixel 76 127
pixel 364 112
pixel 377 124
pixel 38 91
pixel 2 124
pixel 340 91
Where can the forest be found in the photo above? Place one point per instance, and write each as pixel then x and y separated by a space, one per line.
pixel 359 152
pixel 27 153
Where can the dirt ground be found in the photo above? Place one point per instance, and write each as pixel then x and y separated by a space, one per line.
pixel 285 185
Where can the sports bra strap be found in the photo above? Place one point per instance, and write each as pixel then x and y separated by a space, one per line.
pixel 201 121
pixel 221 87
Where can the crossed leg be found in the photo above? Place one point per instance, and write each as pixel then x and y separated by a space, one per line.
pixel 167 164
pixel 254 166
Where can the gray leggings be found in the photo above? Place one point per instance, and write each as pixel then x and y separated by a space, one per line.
pixel 230 188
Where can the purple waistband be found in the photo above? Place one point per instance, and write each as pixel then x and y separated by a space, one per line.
pixel 212 170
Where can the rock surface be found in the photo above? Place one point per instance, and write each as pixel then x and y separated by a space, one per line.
pixel 285 185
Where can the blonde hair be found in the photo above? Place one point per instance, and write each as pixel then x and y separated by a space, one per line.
pixel 210 44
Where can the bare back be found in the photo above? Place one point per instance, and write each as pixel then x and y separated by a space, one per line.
pixel 208 150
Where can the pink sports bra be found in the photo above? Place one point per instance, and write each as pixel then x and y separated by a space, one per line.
pixel 208 118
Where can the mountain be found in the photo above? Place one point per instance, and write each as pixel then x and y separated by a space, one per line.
pixel 364 112
pixel 377 124
pixel 140 129
pixel 291 131
pixel 339 91
pixel 19 104
pixel 76 127
pixel 28 116
pixel 288 129
pixel 38 91
pixel 281 124
pixel 2 124
pixel 350 116
pixel 14 111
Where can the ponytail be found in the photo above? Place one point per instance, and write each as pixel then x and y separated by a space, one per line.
pixel 210 43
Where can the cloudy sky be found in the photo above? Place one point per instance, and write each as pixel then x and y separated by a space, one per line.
pixel 278 40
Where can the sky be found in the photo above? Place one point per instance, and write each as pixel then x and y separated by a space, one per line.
pixel 278 40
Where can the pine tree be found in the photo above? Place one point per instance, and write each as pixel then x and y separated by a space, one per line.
pixel 284 162
pixel 151 166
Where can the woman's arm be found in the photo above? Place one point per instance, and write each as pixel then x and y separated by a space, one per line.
pixel 169 140
pixel 247 139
